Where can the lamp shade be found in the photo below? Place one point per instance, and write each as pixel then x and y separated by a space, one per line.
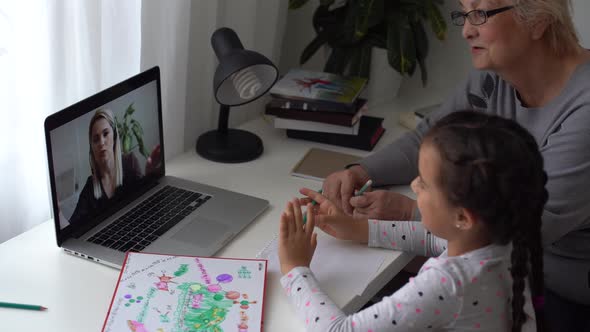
pixel 241 77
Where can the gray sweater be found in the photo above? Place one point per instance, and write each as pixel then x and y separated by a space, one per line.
pixel 562 130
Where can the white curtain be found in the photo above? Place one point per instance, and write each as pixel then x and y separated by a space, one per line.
pixel 54 53
pixel 176 36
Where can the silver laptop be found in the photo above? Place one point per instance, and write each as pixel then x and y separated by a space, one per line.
pixel 109 190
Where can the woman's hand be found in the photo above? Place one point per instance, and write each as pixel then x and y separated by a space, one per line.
pixel 154 160
pixel 339 186
pixel 297 242
pixel 383 205
pixel 330 219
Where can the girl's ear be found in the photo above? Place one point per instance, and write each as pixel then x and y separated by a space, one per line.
pixel 466 219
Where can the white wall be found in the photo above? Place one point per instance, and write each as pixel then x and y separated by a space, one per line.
pixel 448 62
pixel 259 24
pixel 581 11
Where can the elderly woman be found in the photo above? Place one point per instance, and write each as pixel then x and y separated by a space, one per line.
pixel 529 67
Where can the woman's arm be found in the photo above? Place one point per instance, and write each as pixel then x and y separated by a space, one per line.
pixel 397 163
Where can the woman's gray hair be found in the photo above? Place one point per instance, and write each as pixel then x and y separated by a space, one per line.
pixel 560 34
pixel 106 114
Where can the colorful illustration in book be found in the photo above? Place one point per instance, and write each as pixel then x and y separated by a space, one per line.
pixel 318 86
pixel 310 83
pixel 164 281
pixel 244 273
pixel 199 296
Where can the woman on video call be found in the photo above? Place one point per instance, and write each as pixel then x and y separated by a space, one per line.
pixel 112 171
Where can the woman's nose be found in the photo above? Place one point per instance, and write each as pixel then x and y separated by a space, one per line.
pixel 469 30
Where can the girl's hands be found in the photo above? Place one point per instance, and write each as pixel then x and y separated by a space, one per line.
pixel 297 242
pixel 333 221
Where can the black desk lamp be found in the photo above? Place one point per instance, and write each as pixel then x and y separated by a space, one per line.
pixel 241 77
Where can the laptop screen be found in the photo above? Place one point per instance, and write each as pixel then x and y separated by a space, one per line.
pixel 103 150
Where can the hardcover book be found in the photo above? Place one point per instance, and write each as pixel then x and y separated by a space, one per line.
pixel 158 292
pixel 318 87
pixel 282 123
pixel 317 115
pixel 308 105
pixel 370 131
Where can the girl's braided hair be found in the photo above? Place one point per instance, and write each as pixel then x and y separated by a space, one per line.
pixel 492 166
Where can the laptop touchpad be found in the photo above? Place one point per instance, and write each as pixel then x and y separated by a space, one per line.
pixel 202 232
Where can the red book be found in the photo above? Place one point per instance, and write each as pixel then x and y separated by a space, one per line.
pixel 284 110
pixel 167 292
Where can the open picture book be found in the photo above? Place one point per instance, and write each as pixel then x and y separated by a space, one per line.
pixel 157 293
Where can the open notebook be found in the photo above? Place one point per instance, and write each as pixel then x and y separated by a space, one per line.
pixel 338 265
pixel 182 293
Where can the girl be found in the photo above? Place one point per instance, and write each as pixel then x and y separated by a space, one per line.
pixel 481 192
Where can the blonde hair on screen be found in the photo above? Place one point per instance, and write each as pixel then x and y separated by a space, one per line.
pixel 106 114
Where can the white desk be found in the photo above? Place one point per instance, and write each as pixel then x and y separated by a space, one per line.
pixel 78 292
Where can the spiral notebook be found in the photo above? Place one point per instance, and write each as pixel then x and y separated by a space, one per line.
pixel 158 292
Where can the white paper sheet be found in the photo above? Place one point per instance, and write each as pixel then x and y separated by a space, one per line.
pixel 338 265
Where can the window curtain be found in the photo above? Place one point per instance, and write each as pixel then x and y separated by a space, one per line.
pixel 176 36
pixel 54 53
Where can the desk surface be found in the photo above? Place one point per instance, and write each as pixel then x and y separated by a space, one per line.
pixel 78 292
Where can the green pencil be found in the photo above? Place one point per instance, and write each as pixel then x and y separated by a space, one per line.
pixel 364 187
pixel 312 203
pixel 22 306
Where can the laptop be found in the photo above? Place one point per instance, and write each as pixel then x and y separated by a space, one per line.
pixel 109 189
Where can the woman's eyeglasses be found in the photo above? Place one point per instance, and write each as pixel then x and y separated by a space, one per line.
pixel 476 16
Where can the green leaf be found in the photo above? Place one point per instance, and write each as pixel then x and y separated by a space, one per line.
pixel 437 21
pixel 126 143
pixel 360 63
pixel 368 13
pixel 138 134
pixel 136 127
pixel 338 60
pixel 128 112
pixel 401 49
pixel 296 4
pixel 421 41
pixel 376 40
pixel 312 48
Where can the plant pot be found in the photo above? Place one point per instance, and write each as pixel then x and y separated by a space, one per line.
pixel 384 81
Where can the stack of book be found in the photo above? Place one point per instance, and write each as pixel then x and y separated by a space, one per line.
pixel 324 107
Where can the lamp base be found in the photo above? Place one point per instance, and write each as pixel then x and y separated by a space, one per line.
pixel 235 146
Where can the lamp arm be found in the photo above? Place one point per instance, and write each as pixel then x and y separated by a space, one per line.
pixel 223 118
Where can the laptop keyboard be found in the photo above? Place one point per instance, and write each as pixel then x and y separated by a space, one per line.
pixel 143 224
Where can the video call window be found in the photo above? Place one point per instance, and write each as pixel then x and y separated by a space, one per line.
pixel 101 155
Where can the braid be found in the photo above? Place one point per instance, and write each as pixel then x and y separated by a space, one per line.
pixel 519 271
pixel 492 166
pixel 532 226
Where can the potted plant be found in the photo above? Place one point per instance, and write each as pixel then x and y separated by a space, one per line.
pixel 130 129
pixel 355 27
